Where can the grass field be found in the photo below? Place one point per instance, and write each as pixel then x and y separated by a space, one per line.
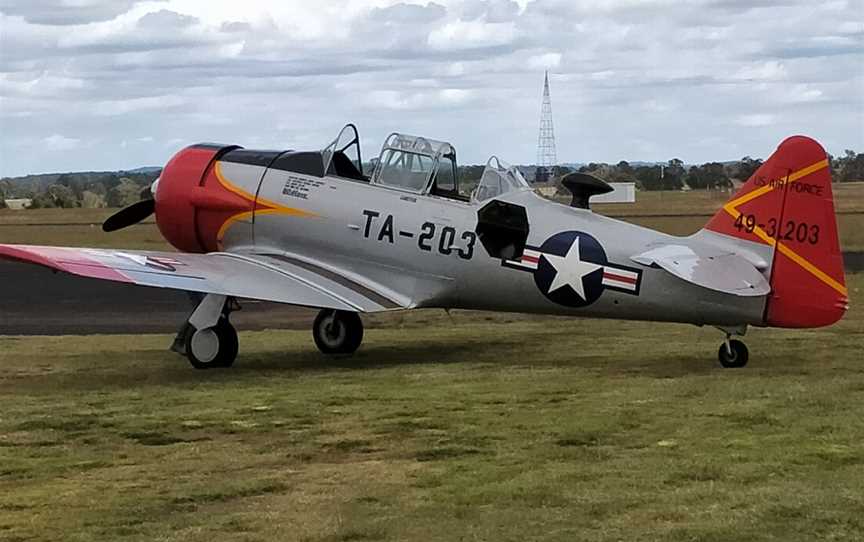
pixel 682 214
pixel 848 197
pixel 475 427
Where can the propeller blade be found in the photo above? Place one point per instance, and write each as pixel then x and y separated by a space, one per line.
pixel 128 216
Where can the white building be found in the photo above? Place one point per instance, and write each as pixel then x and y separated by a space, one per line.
pixel 621 193
pixel 18 204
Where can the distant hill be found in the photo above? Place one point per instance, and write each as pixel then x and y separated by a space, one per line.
pixel 49 178
pixel 146 169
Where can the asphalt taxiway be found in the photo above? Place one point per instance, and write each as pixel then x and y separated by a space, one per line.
pixel 37 301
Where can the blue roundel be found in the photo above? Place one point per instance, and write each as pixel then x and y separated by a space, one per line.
pixel 570 271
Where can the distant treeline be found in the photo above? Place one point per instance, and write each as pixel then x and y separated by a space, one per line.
pixel 675 175
pixel 88 189
pixel 118 189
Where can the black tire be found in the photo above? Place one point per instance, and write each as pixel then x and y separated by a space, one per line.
pixel 221 341
pixel 737 359
pixel 337 332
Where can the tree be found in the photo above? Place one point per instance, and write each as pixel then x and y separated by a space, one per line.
pixel 541 175
pixel 622 172
pixel 60 196
pixel 648 177
pixel 42 201
pixel 711 176
pixel 560 171
pixel 125 193
pixel 92 200
pixel 851 167
pixel 745 168
pixel 673 175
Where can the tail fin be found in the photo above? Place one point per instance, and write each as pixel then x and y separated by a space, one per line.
pixel 788 206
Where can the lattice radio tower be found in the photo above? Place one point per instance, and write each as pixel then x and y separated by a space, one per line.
pixel 546 157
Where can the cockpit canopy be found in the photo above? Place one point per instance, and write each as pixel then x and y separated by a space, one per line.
pixel 498 178
pixel 419 165
pixel 342 156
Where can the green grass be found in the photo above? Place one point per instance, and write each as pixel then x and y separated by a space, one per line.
pixel 142 237
pixel 475 426
pixel 848 198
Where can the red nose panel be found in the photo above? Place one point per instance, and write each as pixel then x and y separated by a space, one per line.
pixel 186 204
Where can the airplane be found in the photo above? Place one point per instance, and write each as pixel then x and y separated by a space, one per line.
pixel 311 228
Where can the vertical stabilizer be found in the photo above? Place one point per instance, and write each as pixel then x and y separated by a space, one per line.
pixel 788 205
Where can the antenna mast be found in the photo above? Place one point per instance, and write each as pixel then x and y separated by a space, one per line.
pixel 546 157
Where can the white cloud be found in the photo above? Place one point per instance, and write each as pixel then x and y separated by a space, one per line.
pixel 545 61
pixel 66 12
pixel 631 78
pixel 772 70
pixel 757 119
pixel 422 100
pixel 57 142
pixel 471 35
pixel 133 105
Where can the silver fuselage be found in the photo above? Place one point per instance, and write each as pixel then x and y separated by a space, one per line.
pixel 369 230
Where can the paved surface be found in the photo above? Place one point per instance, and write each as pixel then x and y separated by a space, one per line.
pixel 36 301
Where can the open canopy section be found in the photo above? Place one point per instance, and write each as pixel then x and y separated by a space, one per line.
pixel 411 162
pixel 342 156
pixel 498 178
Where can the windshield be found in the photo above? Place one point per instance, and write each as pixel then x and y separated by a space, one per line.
pixel 498 178
pixel 409 162
pixel 406 170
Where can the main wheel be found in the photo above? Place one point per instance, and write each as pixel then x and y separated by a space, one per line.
pixel 215 346
pixel 736 358
pixel 337 332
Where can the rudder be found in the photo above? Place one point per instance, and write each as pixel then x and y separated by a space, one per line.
pixel 788 205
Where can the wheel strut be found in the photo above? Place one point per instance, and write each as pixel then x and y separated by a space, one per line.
pixel 207 338
pixel 733 353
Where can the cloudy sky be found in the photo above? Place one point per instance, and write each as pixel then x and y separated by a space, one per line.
pixel 112 84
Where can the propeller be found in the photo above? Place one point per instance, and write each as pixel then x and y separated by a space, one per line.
pixel 134 213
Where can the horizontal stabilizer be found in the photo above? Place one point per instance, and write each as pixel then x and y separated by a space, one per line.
pixel 710 268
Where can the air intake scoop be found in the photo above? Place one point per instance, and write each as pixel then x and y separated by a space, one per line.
pixel 582 186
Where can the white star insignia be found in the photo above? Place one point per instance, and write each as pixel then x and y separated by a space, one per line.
pixel 570 270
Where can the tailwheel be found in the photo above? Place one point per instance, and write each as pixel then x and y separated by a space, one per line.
pixel 733 354
pixel 337 332
pixel 212 347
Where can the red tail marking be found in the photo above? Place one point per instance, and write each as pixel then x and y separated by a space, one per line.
pixel 788 204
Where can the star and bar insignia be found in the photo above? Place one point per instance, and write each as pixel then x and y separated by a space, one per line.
pixel 570 268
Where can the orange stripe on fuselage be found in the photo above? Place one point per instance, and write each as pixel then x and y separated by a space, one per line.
pixel 263 205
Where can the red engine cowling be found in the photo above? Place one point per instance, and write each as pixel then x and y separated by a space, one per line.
pixel 192 204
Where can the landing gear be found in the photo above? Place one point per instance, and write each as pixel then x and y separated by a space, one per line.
pixel 337 332
pixel 208 339
pixel 211 347
pixel 733 354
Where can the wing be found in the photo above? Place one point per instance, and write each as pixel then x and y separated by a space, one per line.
pixel 277 278
pixel 709 267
